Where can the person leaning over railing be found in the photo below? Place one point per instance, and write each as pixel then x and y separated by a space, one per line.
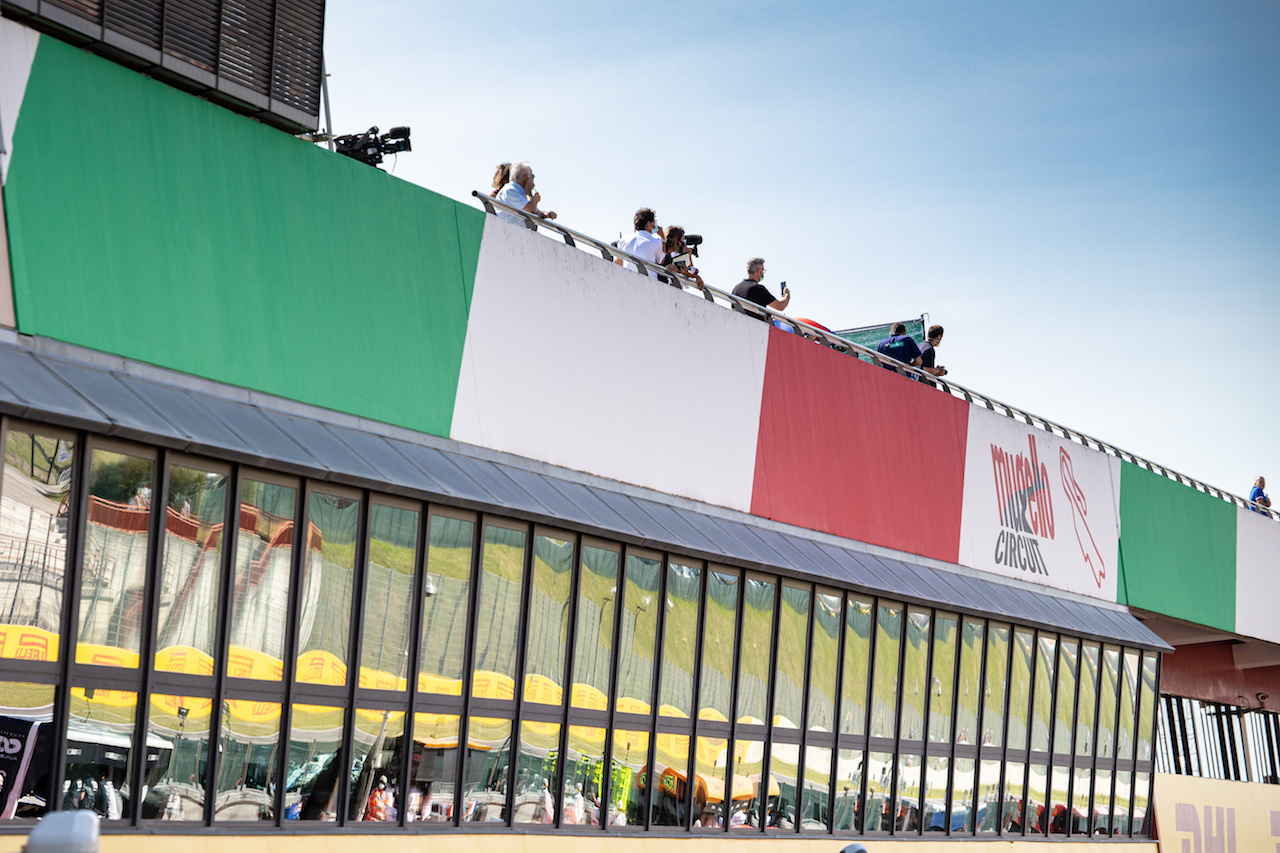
pixel 899 346
pixel 645 243
pixel 676 257
pixel 1258 496
pixel 520 193
pixel 750 288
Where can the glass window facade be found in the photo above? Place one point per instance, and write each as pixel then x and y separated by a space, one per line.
pixel 509 674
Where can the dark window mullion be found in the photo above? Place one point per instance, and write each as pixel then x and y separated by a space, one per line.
pixel 79 517
pixel 230 537
pixel 355 642
pixel 522 627
pixel 135 777
pixel 414 660
pixel 691 779
pixel 296 560
pixel 837 701
pixel 566 694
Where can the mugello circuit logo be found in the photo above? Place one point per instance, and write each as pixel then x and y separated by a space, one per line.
pixel 1024 503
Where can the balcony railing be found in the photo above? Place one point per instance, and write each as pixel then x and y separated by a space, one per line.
pixel 828 339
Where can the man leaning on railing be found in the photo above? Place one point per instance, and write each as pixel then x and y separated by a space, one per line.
pixel 519 193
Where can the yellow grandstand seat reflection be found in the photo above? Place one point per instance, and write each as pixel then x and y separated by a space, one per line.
pixel 542 690
pixel 492 685
pixel 250 663
pixel 20 642
pixel 439 685
pixel 586 696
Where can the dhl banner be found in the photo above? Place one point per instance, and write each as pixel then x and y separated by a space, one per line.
pixel 1214 816
pixel 1039 508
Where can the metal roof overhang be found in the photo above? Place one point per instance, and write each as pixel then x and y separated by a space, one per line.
pixel 68 386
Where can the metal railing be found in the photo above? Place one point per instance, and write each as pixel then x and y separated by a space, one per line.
pixel 820 336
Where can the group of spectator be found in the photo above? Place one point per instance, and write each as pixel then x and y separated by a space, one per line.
pixel 513 185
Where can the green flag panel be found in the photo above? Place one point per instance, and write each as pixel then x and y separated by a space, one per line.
pixel 149 223
pixel 1178 549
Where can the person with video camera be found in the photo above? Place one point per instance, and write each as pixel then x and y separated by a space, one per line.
pixel 679 256
pixel 519 193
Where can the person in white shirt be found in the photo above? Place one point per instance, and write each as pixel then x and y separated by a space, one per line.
pixel 519 193
pixel 646 243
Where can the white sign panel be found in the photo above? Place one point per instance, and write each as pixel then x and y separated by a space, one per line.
pixel 1039 508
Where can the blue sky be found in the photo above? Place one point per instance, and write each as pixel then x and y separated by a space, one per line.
pixel 1086 195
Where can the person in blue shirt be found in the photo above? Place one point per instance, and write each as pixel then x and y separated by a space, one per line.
pixel 900 346
pixel 1258 496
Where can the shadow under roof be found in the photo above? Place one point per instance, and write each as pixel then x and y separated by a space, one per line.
pixel 190 415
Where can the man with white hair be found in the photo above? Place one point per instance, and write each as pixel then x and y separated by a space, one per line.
pixel 519 193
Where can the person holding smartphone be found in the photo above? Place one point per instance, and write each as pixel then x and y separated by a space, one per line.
pixel 751 288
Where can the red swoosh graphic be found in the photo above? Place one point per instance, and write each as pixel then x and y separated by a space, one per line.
pixel 1079 517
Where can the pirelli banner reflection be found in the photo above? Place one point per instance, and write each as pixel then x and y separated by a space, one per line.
pixel 1215 816
pixel 1039 508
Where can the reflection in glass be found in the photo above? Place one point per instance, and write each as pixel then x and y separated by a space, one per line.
pixel 1140 821
pixel 548 630
pixel 943 683
pixel 187 617
pixel 176 784
pixel 715 696
pixel 314 770
pixel 99 744
pixel 628 776
pixel 260 589
pixel 584 767
pixel 388 598
pixel 115 559
pixel 444 606
pixel 793 630
pixel 848 781
pixel 814 811
pixel 1014 779
pixel 857 656
pixel 879 816
pixel 35 495
pixel 935 794
pixel 784 761
pixel 484 787
pixel 915 675
pixel 1102 824
pixel 434 769
pixel 1087 706
pixel 1068 654
pixel 906 806
pixel 1120 823
pixel 756 649
pixel 997 678
pixel 27 713
pixel 328 580
pixel 679 637
pixel 536 798
pixel 1046 655
pixel 1147 705
pixel 247 761
pixel 1038 798
pixel 748 767
pixel 824 660
pixel 1107 702
pixel 884 687
pixel 639 632
pixel 969 687
pixel 962 799
pixel 1020 688
pixel 375 766
pixel 988 817
pixel 671 764
pixel 1059 814
pixel 1128 704
pixel 498 613
pixel 593 643
pixel 711 757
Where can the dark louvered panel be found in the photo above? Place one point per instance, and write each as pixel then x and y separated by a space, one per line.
pixel 259 57
pixel 299 30
pixel 245 57
pixel 191 32
pixel 90 10
pixel 140 20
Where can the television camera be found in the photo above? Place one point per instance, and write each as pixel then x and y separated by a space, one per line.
pixel 369 147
